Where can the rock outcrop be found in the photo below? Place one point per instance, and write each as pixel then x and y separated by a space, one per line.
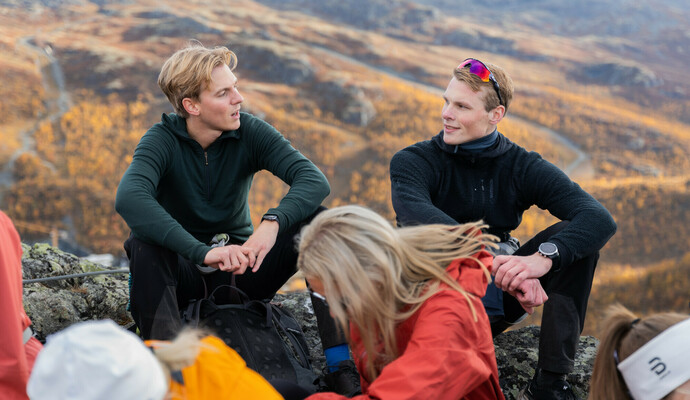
pixel 54 305
pixel 381 15
pixel 618 74
pixel 346 102
pixel 162 24
pixel 516 353
pixel 268 61
pixel 473 39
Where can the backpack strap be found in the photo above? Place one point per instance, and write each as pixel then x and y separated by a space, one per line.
pixel 291 329
pixel 237 295
pixel 234 295
pixel 192 314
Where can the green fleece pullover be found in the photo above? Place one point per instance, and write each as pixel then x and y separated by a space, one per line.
pixel 176 195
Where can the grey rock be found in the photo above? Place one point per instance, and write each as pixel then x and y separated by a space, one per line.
pixel 55 305
pixel 380 15
pixel 346 102
pixel 647 170
pixel 43 261
pixel 168 25
pixel 154 14
pixel 516 355
pixel 359 110
pixel 52 310
pixel 620 74
pixel 475 40
pixel 269 62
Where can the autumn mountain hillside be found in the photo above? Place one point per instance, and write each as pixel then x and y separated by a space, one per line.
pixel 602 90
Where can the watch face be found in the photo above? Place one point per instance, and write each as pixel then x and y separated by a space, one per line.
pixel 548 248
pixel 270 217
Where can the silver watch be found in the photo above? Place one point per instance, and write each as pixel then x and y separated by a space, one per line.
pixel 550 250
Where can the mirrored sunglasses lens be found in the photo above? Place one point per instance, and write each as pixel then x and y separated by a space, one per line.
pixel 480 70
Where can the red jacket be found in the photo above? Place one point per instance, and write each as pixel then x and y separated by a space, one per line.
pixel 444 353
pixel 16 357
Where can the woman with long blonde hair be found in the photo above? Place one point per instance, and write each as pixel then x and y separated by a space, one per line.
pixel 642 358
pixel 411 298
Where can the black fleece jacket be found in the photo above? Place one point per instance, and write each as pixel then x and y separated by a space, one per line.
pixel 433 182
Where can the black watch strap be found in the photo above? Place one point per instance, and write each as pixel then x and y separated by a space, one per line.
pixel 270 217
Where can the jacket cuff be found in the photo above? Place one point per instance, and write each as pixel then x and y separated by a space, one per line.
pixel 566 257
pixel 283 222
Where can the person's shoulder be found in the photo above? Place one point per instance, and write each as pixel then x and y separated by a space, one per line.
pixel 419 159
pixel 252 122
pixel 159 127
pixel 255 130
pixel 515 154
pixel 166 128
pixel 531 160
pixel 424 145
pixel 448 305
pixel 424 149
pixel 506 146
pixel 248 119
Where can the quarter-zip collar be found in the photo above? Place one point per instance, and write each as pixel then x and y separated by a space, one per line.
pixel 177 125
pixel 480 144
pixel 500 147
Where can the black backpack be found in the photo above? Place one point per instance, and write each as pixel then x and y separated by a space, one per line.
pixel 267 336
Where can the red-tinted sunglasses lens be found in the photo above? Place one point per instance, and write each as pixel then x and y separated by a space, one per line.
pixel 477 68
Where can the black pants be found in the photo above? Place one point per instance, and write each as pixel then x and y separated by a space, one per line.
pixel 563 319
pixel 163 282
pixel 290 390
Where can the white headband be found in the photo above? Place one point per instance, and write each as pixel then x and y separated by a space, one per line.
pixel 661 365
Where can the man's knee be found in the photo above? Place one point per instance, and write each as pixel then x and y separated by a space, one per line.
pixel 140 252
pixel 532 245
pixel 134 245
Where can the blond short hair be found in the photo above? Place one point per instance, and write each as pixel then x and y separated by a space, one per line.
pixel 188 72
pixel 475 83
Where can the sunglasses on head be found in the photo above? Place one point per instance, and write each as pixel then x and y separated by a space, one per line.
pixel 484 73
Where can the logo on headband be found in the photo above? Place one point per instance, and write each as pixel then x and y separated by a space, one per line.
pixel 659 367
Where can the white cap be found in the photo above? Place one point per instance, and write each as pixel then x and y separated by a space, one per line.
pixel 661 365
pixel 96 360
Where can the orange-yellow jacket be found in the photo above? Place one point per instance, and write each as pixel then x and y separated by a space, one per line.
pixel 219 373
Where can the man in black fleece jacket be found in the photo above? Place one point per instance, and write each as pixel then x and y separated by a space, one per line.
pixel 470 171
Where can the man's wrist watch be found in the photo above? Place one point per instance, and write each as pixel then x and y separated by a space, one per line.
pixel 270 217
pixel 550 250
